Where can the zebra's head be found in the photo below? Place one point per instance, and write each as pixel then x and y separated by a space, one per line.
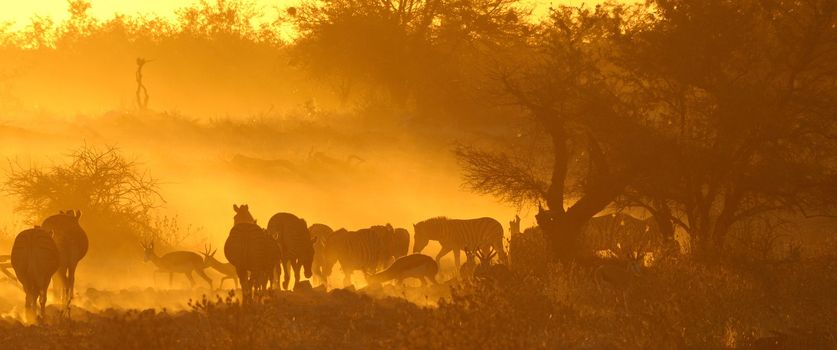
pixel 242 214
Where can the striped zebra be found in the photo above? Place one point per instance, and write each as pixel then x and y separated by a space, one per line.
pixel 253 253
pixel 35 258
pixel 320 234
pixel 297 246
pixel 392 243
pixel 401 246
pixel 455 235
pixel 72 247
pixel 357 250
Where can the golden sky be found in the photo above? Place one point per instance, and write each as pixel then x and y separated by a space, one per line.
pixel 19 12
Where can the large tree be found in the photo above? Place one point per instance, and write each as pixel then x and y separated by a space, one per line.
pixel 706 113
pixel 748 91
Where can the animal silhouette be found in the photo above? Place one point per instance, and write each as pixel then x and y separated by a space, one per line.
pixel 295 243
pixel 418 266
pixel 72 247
pixel 360 250
pixel 226 269
pixel 242 214
pixel 320 234
pixel 454 235
pixel 466 271
pixel 620 275
pixel 177 262
pixel 5 265
pixel 396 242
pixel 253 253
pixel 35 258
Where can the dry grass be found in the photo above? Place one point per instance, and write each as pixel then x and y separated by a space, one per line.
pixel 678 305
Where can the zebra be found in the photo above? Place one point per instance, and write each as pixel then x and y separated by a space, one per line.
pixel 253 253
pixel 396 243
pixel 455 235
pixel 72 247
pixel 35 258
pixel 358 250
pixel 242 214
pixel 320 233
pixel 401 246
pixel 296 244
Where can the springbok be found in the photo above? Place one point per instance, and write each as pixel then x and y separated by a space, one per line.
pixel 5 265
pixel 35 259
pixel 176 262
pixel 620 275
pixel 418 266
pixel 467 269
pixel 226 269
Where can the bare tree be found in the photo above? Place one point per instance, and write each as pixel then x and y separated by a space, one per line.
pixel 116 195
pixel 95 180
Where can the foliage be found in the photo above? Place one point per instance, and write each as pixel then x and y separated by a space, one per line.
pixel 94 179
pixel 647 108
pixel 678 305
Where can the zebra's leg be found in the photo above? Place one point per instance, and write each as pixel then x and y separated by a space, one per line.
pixel 456 261
pixel 442 253
pixel 42 296
pixel 31 301
pixel 286 279
pixel 297 265
pixel 71 282
pixel 347 277
pixel 59 282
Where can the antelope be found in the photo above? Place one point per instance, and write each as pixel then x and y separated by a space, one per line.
pixel 418 266
pixel 71 241
pixel 621 276
pixel 467 269
pixel 486 269
pixel 5 264
pixel 176 262
pixel 226 269
pixel 35 259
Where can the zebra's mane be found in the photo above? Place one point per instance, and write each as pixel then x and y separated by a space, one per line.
pixel 434 220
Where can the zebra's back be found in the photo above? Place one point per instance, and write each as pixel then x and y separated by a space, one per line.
pixel 248 247
pixel 34 258
pixel 292 234
pixel 361 249
pixel 459 234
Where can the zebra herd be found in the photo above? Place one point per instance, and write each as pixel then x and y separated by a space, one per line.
pixel 288 246
pixel 258 256
pixel 49 251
